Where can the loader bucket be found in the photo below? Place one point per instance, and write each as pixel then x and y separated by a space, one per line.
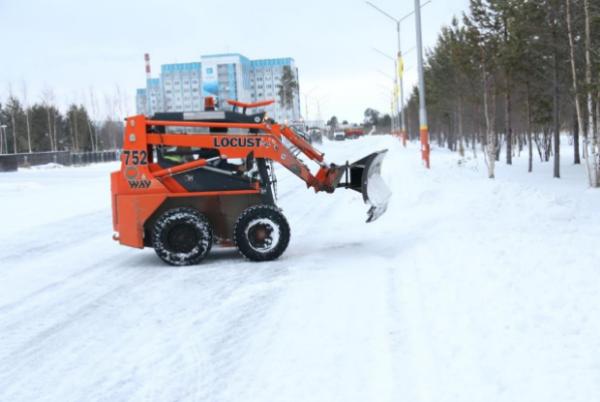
pixel 364 176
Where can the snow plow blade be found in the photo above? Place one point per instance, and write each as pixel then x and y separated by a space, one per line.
pixel 364 176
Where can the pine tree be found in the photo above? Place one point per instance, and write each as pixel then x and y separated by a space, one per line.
pixel 16 125
pixel 287 88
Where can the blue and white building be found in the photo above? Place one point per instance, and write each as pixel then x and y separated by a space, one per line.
pixel 183 86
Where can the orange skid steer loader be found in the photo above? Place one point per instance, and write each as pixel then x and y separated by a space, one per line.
pixel 179 189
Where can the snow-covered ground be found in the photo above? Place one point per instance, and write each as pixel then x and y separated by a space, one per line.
pixel 466 290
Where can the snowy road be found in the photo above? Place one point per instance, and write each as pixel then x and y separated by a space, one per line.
pixel 466 290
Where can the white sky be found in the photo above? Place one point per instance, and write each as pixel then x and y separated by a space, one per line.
pixel 74 46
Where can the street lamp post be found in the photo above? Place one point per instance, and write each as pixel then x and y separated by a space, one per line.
pixel 400 69
pixel 400 103
pixel 395 93
pixel 423 126
pixel 306 96
pixel 400 61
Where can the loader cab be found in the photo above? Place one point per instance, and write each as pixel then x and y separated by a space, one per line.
pixel 220 173
pixel 210 114
pixel 216 116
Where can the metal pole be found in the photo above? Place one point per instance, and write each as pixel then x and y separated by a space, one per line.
pixel 400 72
pixel 395 99
pixel 400 102
pixel 392 117
pixel 306 106
pixel 424 128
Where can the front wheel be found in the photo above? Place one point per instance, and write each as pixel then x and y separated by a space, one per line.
pixel 182 236
pixel 262 233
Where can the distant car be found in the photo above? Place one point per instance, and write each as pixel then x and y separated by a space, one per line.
pixel 354 133
pixel 339 136
pixel 303 134
pixel 316 136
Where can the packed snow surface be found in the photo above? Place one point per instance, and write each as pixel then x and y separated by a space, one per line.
pixel 467 289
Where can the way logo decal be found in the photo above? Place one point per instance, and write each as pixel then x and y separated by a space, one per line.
pixel 139 183
pixel 132 175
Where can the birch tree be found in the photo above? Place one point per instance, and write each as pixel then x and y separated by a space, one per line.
pixel 47 99
pixel 591 152
pixel 575 86
pixel 27 117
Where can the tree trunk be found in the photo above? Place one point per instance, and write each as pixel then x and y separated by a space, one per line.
pixel 591 151
pixel 507 101
pixel 55 134
pixel 530 149
pixel 529 139
pixel 92 135
pixel 14 132
pixel 539 147
pixel 579 115
pixel 477 133
pixel 556 105
pixel 547 144
pixel 491 144
pixel 48 115
pixel 461 145
pixel 75 133
pixel 497 147
pixel 508 126
pixel 28 130
pixel 576 156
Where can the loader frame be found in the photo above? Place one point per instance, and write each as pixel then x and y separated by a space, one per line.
pixel 142 189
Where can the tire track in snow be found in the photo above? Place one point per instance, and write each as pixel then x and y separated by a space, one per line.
pixel 49 237
pixel 231 294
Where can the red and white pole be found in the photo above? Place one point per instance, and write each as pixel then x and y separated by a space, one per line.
pixel 424 128
pixel 147 61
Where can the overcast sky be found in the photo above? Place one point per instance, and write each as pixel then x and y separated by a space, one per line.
pixel 72 46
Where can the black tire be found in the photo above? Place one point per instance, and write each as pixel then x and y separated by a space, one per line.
pixel 182 236
pixel 262 233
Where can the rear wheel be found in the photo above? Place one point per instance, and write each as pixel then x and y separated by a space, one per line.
pixel 262 233
pixel 182 236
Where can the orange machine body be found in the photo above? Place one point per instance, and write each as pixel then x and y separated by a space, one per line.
pixel 142 188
